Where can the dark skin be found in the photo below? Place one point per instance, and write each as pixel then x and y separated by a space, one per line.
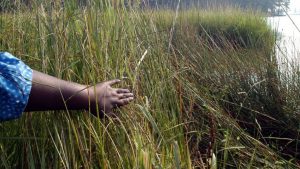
pixel 51 93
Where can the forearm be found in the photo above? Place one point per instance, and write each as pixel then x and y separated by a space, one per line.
pixel 50 93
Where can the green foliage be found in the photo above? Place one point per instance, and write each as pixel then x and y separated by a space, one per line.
pixel 208 91
pixel 271 6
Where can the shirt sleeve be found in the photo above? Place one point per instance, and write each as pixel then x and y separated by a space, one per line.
pixel 15 86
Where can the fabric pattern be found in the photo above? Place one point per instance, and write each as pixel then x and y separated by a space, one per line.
pixel 15 86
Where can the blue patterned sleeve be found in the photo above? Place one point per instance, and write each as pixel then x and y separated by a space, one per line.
pixel 15 86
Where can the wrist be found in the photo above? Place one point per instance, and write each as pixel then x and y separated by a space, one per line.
pixel 89 97
pixel 77 98
pixel 92 103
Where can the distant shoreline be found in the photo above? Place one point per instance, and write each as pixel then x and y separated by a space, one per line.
pixel 284 15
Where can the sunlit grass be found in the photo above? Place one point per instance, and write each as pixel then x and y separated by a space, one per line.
pixel 206 84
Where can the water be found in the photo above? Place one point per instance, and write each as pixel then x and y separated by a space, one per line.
pixel 288 43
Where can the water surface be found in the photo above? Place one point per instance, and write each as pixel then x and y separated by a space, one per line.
pixel 288 43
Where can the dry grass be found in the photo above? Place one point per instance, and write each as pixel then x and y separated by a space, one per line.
pixel 206 83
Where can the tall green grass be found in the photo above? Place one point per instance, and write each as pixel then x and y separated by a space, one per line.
pixel 208 89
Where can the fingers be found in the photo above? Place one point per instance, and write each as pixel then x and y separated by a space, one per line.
pixel 112 82
pixel 122 91
pixel 125 101
pixel 125 95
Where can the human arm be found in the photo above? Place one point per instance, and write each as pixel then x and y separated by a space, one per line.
pixel 51 93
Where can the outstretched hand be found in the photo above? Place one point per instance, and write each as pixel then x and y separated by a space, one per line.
pixel 51 93
pixel 106 98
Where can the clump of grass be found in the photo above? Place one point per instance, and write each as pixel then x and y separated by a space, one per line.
pixel 207 88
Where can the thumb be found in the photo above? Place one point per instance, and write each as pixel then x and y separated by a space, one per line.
pixel 112 82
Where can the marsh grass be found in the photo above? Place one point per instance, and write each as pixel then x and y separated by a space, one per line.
pixel 207 86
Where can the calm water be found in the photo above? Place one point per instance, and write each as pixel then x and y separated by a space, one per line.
pixel 288 50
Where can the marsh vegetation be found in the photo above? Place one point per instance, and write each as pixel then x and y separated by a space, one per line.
pixel 209 92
